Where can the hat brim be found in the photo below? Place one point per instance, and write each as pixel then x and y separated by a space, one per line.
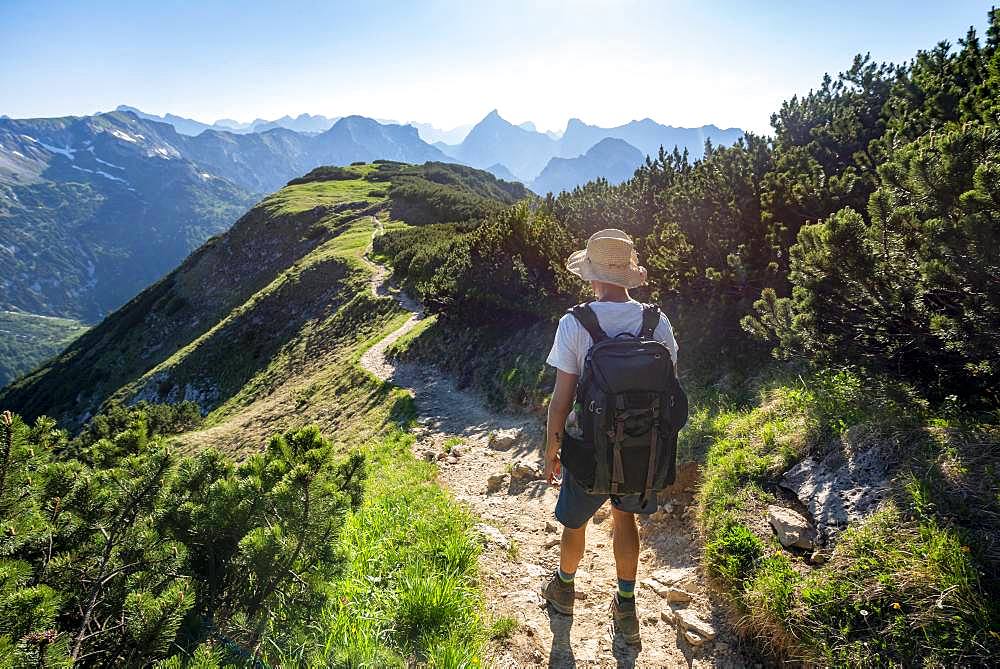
pixel 579 264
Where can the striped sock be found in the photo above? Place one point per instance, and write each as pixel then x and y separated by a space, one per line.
pixel 566 578
pixel 626 589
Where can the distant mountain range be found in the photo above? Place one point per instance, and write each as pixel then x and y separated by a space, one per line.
pixel 525 152
pixel 514 152
pixel 306 123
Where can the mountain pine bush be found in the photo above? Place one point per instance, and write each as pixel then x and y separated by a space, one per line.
pixel 913 289
pixel 114 551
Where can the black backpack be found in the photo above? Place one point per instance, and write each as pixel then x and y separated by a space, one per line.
pixel 630 407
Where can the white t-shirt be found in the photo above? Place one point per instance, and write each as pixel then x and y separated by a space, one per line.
pixel 569 350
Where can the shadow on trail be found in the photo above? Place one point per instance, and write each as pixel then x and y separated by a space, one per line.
pixel 561 652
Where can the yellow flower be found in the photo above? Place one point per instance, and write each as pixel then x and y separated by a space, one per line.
pixel 895 605
pixel 966 549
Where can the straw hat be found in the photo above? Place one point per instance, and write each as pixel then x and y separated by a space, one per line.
pixel 609 257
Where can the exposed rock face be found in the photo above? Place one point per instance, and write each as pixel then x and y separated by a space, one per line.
pixel 792 528
pixel 846 484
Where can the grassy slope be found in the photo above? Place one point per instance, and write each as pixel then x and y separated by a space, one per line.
pixel 915 584
pixel 29 339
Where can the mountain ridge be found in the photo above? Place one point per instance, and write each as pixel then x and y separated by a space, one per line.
pixel 612 159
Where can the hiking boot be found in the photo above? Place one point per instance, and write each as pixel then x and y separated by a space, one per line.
pixel 559 594
pixel 625 619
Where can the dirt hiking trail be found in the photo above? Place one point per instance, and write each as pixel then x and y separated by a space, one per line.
pixel 492 463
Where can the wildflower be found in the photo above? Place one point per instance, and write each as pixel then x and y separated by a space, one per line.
pixel 966 549
pixel 895 605
pixel 863 612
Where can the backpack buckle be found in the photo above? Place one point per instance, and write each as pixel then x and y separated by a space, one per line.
pixel 595 409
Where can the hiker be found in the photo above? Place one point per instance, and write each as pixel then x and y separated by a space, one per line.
pixel 609 444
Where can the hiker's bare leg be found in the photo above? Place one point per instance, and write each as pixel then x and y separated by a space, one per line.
pixel 625 536
pixel 571 548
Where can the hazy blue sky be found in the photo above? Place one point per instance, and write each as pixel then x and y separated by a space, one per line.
pixel 681 63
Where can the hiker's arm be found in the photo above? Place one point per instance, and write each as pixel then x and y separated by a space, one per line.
pixel 559 408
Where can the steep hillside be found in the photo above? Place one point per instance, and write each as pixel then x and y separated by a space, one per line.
pixel 612 159
pixel 205 330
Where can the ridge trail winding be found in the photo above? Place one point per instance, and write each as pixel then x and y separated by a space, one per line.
pixel 521 535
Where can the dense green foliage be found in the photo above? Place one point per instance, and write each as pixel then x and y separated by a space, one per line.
pixel 914 287
pixel 29 340
pixel 326 173
pixel 118 552
pixel 443 192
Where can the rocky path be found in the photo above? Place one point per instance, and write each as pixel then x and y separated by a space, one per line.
pixel 492 463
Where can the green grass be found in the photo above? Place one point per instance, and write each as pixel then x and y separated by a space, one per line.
pixel 27 340
pixel 409 592
pixel 302 197
pixel 914 584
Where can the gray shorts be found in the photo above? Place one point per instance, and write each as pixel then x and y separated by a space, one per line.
pixel 575 505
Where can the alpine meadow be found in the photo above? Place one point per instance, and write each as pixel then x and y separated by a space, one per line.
pixel 276 392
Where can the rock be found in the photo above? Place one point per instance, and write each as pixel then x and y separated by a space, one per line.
pixel 452 460
pixel 456 451
pixel 655 586
pixel 428 456
pixel 818 557
pixel 791 527
pixel 496 482
pixel 676 595
pixel 669 615
pixel 524 471
pixel 535 571
pixel 526 596
pixel 552 543
pixel 848 482
pixel 504 440
pixel 442 456
pixel 693 638
pixel 667 508
pixel 689 620
pixel 651 619
pixel 551 526
pixel 492 535
pixel 673 576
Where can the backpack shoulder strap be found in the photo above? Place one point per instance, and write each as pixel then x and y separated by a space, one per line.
pixel 650 319
pixel 588 319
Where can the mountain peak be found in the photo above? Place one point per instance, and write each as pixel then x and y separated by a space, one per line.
pixel 494 118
